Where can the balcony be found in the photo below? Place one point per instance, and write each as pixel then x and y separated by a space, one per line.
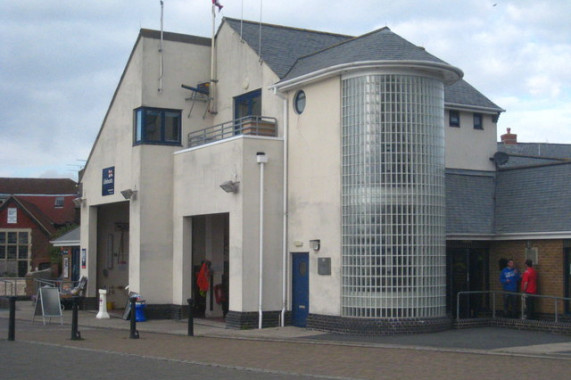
pixel 249 125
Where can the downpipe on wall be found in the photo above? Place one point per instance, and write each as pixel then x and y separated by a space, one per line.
pixel 262 160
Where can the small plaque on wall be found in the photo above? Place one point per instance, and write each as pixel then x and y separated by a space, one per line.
pixel 324 266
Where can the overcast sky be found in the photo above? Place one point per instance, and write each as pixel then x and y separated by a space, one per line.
pixel 61 60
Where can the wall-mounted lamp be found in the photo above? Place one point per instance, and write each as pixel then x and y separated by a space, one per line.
pixel 315 244
pixel 78 201
pixel 129 194
pixel 230 186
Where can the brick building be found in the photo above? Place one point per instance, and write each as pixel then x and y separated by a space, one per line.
pixel 31 212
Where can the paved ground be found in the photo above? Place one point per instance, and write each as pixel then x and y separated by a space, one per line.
pixel 164 349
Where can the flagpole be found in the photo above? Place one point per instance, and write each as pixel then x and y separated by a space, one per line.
pixel 212 90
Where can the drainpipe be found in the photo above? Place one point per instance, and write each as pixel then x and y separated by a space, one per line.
pixel 285 204
pixel 262 160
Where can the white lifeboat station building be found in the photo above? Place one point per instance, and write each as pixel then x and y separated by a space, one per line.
pixel 306 170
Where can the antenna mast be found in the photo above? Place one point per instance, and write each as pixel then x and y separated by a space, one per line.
pixel 161 53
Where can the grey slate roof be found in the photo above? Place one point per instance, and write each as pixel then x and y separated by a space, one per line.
pixel 282 46
pixel 462 93
pixel 469 203
pixel 380 45
pixel 71 237
pixel 533 151
pixel 534 199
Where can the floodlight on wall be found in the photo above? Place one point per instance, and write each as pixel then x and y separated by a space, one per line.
pixel 78 201
pixel 230 186
pixel 129 194
pixel 315 244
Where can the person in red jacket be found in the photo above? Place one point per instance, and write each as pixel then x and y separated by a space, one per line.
pixel 529 286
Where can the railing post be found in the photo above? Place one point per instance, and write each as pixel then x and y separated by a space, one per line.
pixel 494 305
pixel 75 334
pixel 458 306
pixel 12 321
pixel 134 334
pixel 190 317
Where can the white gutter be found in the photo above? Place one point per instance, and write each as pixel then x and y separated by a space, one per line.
pixel 262 160
pixel 285 209
pixel 449 74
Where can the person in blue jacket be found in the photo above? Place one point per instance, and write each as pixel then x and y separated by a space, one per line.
pixel 509 277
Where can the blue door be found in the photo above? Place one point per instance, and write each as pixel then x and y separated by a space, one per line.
pixel 300 289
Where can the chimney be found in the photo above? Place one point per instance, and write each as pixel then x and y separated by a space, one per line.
pixel 509 138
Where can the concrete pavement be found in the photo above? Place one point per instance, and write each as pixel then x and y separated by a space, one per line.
pixel 469 353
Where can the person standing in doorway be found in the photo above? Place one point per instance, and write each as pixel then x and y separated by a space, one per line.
pixel 529 286
pixel 509 277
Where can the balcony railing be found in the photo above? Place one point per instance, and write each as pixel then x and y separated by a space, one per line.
pixel 249 125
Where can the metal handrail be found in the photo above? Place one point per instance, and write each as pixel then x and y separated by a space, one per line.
pixel 522 295
pixel 249 125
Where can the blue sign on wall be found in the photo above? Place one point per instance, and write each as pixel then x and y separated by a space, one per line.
pixel 108 181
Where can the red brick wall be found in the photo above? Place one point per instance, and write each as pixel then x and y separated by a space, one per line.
pixel 40 240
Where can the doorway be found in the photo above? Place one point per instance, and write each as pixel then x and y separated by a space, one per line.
pixel 210 249
pixel 467 270
pixel 300 289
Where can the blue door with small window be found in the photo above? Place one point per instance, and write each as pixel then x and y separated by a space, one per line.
pixel 300 289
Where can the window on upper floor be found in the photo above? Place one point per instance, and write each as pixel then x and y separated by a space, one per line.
pixel 157 126
pixel 454 117
pixel 58 202
pixel 478 121
pixel 249 104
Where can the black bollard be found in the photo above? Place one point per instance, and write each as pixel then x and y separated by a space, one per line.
pixel 75 334
pixel 134 333
pixel 190 318
pixel 12 322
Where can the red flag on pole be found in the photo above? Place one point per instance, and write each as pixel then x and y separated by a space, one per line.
pixel 217 3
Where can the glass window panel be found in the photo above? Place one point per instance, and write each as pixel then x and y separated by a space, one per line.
pixel 172 126
pixel 139 125
pixel 12 250
pixel 23 237
pixel 23 252
pixel 12 237
pixel 152 125
pixel 2 251
pixel 393 170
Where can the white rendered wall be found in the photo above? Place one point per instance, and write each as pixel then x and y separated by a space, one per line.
pixel 469 148
pixel 198 173
pixel 314 189
pixel 146 168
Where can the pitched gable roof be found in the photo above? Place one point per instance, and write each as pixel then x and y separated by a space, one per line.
pixel 462 94
pixel 380 45
pixel 37 186
pixel 282 46
pixel 41 219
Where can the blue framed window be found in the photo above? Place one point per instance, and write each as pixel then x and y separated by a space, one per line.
pixel 157 126
pixel 249 104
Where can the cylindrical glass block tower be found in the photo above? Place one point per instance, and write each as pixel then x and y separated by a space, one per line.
pixel 393 197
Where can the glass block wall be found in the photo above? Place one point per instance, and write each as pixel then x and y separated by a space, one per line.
pixel 393 197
